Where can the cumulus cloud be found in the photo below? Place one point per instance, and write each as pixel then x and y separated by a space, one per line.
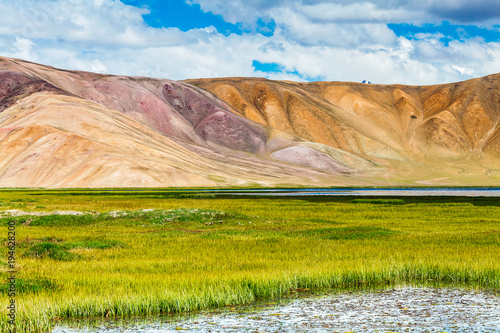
pixel 296 26
pixel 332 40
pixel 463 11
pixel 382 11
pixel 23 48
pixel 94 22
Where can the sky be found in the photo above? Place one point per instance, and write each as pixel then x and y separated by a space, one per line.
pixel 417 42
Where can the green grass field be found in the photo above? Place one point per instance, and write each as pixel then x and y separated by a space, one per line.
pixel 190 251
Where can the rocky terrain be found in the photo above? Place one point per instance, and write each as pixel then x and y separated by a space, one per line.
pixel 62 128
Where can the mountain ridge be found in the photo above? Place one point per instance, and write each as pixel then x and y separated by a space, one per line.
pixel 243 131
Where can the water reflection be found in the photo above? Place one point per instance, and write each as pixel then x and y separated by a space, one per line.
pixel 402 310
pixel 452 192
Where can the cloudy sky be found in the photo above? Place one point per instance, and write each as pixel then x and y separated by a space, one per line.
pixel 383 41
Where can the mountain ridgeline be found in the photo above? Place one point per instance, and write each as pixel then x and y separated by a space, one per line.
pixel 61 128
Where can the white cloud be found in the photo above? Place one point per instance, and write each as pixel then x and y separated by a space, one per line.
pixel 23 48
pixel 97 22
pixel 363 12
pixel 381 11
pixel 298 27
pixel 340 40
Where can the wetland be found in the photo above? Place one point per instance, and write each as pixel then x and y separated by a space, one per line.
pixel 122 254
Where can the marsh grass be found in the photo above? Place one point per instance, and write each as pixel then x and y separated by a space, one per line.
pixel 26 286
pixel 348 233
pixel 53 220
pixel 94 243
pixel 23 200
pixel 142 253
pixel 183 216
pixel 195 196
pixel 46 250
pixel 380 201
pixel 58 249
pixel 28 242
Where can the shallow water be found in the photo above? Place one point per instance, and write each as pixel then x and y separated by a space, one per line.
pixel 402 310
pixel 453 192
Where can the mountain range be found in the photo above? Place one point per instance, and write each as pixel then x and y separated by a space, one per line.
pixel 61 128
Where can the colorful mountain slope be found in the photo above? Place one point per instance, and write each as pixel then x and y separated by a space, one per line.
pixel 63 128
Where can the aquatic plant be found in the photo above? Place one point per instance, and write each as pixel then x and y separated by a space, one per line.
pixel 141 253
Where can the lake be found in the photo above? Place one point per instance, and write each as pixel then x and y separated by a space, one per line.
pixel 394 310
pixel 404 192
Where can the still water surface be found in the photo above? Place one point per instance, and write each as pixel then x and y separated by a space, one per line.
pixel 401 310
pixel 453 191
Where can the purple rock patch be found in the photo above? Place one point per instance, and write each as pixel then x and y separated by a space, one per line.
pixel 192 105
pixel 212 122
pixel 308 157
pixel 228 130
pixel 15 85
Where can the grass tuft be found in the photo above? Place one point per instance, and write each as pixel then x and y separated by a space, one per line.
pixel 196 196
pixel 33 286
pixel 94 243
pixel 349 233
pixel 380 201
pixel 49 250
pixel 28 242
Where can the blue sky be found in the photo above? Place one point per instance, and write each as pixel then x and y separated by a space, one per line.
pixel 184 16
pixel 390 41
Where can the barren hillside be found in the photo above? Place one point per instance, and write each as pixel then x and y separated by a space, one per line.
pixel 63 128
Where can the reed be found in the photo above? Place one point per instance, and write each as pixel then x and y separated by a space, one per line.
pixel 190 253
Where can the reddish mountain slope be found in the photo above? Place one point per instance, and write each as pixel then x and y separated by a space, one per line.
pixel 76 129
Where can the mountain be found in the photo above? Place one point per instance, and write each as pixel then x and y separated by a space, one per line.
pixel 61 128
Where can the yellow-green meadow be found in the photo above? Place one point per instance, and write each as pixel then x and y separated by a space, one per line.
pixel 146 252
